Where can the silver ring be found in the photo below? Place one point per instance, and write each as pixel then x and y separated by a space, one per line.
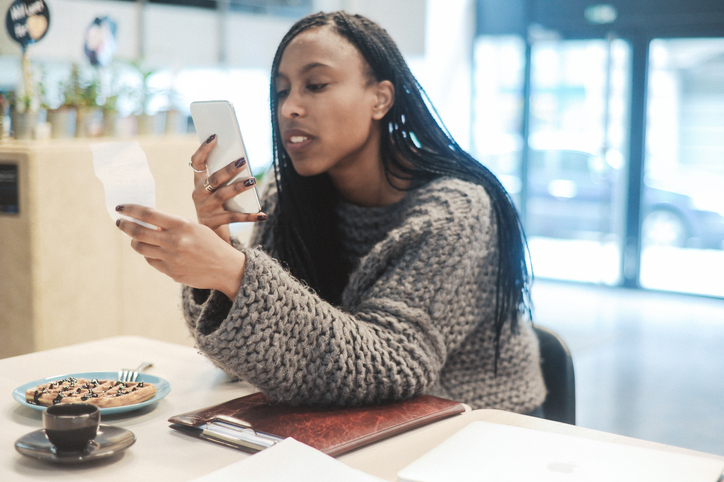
pixel 208 186
pixel 195 170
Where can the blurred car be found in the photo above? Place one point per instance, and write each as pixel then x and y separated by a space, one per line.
pixel 572 194
pixel 684 209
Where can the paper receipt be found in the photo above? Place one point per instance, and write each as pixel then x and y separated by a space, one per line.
pixel 123 169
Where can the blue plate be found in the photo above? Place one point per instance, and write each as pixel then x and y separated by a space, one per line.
pixel 162 389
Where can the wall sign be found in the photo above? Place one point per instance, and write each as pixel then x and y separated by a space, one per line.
pixel 100 41
pixel 27 21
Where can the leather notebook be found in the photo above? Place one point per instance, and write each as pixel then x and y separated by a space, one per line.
pixel 255 422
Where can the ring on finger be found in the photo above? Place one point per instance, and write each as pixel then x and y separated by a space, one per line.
pixel 195 170
pixel 208 186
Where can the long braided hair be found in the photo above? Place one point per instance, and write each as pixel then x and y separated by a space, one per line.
pixel 306 237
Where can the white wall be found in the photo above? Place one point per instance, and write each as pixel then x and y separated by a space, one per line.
pixel 190 37
pixel 69 20
pixel 404 20
pixel 434 35
pixel 436 38
pixel 445 71
pixel 252 43
pixel 177 37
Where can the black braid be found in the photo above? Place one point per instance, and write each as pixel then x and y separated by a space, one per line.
pixel 305 231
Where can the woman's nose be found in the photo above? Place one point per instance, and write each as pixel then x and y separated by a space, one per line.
pixel 291 106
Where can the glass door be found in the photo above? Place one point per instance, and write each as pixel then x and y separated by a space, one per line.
pixel 576 163
pixel 683 197
pixel 577 139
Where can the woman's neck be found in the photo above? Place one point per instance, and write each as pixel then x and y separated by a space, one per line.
pixel 364 182
pixel 368 188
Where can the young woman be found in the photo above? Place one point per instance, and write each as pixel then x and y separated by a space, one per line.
pixel 391 263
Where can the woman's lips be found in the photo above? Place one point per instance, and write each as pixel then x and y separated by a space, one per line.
pixel 296 140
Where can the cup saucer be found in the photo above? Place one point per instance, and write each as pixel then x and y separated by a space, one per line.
pixel 110 440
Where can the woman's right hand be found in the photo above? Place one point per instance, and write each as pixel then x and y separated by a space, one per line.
pixel 209 200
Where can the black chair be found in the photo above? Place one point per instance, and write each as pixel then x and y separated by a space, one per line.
pixel 557 366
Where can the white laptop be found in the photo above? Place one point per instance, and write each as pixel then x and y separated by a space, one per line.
pixel 489 452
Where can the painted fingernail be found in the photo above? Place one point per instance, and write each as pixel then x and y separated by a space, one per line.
pixel 240 162
pixel 211 138
pixel 118 222
pixel 261 217
pixel 250 182
pixel 119 208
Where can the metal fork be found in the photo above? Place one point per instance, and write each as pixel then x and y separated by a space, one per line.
pixel 128 375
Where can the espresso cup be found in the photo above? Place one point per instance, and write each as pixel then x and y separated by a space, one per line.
pixel 71 426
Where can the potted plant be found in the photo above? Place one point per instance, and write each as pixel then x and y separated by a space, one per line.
pixel 59 115
pixel 23 115
pixel 143 95
pixel 173 114
pixel 3 103
pixel 111 96
pixel 61 119
pixel 82 94
pixel 24 105
pixel 110 115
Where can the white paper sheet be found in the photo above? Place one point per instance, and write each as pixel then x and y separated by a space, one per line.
pixel 286 461
pixel 123 169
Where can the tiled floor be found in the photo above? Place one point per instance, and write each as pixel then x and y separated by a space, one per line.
pixel 648 365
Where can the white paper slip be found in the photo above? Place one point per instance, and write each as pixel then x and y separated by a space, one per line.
pixel 123 169
pixel 286 461
pixel 491 452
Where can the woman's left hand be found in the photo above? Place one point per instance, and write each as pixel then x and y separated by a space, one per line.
pixel 190 253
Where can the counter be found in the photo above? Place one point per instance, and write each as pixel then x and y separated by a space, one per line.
pixel 67 274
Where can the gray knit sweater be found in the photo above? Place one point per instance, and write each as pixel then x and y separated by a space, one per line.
pixel 416 315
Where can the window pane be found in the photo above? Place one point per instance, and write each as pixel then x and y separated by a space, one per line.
pixel 683 208
pixel 576 167
pixel 576 173
pixel 498 108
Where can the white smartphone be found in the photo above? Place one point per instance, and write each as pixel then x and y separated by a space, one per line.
pixel 218 117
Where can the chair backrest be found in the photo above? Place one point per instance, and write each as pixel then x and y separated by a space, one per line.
pixel 557 366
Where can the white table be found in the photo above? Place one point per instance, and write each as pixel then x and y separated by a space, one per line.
pixel 161 453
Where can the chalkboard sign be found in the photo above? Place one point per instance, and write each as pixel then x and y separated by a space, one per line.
pixel 9 189
pixel 27 21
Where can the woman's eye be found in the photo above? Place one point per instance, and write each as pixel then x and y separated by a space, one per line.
pixel 316 87
pixel 282 93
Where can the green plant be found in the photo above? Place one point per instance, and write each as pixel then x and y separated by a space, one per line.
pixel 42 91
pixel 3 105
pixel 79 91
pixel 112 93
pixel 26 98
pixel 143 93
pixel 20 102
pixel 110 104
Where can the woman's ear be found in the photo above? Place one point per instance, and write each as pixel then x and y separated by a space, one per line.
pixel 385 99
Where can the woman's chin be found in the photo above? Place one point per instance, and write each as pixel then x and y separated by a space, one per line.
pixel 308 168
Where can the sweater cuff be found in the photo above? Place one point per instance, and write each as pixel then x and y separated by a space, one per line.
pixel 192 301
pixel 217 308
pixel 214 313
pixel 206 309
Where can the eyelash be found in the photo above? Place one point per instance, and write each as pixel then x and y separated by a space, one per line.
pixel 312 87
pixel 316 87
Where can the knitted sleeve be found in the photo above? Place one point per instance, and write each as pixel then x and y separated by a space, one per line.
pixel 408 304
pixel 261 236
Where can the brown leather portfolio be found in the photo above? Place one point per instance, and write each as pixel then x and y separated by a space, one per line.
pixel 254 422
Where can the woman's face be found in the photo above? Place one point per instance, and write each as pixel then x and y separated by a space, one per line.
pixel 328 105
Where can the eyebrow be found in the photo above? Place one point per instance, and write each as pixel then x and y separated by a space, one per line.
pixel 310 66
